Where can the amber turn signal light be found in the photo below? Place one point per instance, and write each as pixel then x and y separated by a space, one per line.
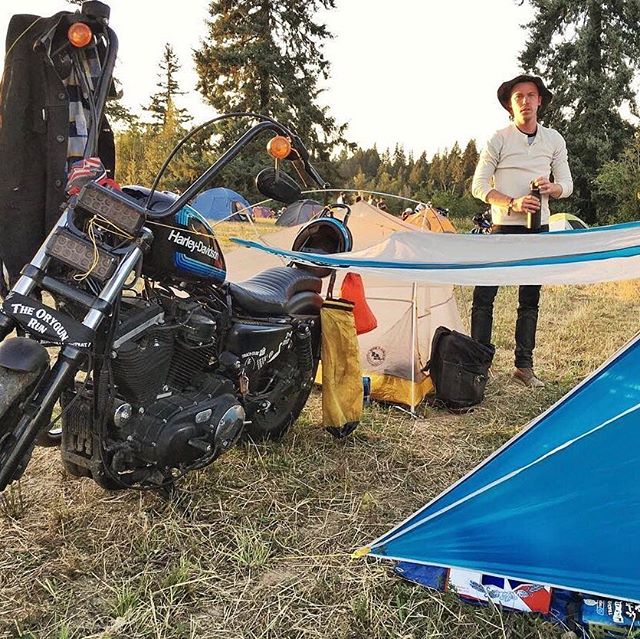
pixel 79 34
pixel 279 147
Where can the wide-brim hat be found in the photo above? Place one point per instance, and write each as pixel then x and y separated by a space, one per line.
pixel 506 88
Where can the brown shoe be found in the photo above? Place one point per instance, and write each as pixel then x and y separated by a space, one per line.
pixel 527 377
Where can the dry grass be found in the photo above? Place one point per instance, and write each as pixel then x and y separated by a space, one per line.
pixel 226 230
pixel 257 545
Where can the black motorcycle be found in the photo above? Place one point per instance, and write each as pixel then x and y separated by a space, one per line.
pixel 161 366
pixel 482 223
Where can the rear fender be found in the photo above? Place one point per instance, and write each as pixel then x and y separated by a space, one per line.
pixel 23 355
pixel 304 303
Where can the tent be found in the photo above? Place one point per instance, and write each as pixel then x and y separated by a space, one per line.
pixel 221 204
pixel 431 219
pixel 566 222
pixel 299 212
pixel 261 212
pixel 559 504
pixel 408 313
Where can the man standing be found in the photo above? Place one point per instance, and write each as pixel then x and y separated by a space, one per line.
pixel 521 155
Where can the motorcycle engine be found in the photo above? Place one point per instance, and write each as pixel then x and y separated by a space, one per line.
pixel 170 409
pixel 158 349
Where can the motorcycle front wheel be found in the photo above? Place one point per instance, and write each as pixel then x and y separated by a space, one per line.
pixel 15 387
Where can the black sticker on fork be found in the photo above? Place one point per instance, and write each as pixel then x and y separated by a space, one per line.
pixel 46 324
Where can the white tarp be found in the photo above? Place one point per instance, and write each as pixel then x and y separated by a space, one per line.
pixel 601 254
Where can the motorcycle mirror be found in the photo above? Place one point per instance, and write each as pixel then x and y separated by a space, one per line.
pixel 97 10
pixel 277 185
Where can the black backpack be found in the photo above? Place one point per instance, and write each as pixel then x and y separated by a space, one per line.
pixel 459 368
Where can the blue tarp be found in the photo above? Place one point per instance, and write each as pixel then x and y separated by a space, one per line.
pixel 559 504
pixel 221 203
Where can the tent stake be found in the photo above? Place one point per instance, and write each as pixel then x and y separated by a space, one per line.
pixel 404 410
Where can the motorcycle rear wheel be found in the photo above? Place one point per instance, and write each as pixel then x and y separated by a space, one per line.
pixel 284 408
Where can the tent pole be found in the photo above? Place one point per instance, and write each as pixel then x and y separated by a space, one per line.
pixel 414 322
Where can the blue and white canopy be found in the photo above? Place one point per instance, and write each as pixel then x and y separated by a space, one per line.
pixel 568 257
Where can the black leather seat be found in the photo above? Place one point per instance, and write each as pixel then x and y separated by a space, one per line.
pixel 269 292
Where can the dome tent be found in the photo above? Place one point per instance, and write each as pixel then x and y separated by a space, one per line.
pixel 394 354
pixel 430 218
pixel 566 222
pixel 221 203
pixel 299 212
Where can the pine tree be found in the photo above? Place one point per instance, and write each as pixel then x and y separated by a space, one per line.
pixel 419 173
pixel 371 162
pixel 164 99
pixel 469 162
pixel 588 51
pixel 266 56
pixel 455 176
pixel 438 172
pixel 399 159
pixel 143 148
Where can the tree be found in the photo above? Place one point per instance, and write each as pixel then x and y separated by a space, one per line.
pixel 419 173
pixel 588 51
pixel 469 162
pixel 438 174
pixel 266 56
pixel 164 99
pixel 455 177
pixel 143 148
pixel 617 186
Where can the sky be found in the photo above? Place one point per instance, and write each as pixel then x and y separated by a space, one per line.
pixel 422 73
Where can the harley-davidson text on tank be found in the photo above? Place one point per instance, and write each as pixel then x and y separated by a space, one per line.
pixel 192 245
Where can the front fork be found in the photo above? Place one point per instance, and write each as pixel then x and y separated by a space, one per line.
pixel 36 415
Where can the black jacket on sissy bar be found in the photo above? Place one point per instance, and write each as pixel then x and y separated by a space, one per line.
pixel 34 136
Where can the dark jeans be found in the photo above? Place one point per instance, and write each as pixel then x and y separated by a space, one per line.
pixel 526 324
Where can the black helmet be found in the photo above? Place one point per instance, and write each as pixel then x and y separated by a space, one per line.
pixel 324 235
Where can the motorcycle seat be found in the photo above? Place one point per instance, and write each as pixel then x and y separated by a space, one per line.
pixel 269 292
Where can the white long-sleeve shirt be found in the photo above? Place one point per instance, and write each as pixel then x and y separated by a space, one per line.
pixel 508 163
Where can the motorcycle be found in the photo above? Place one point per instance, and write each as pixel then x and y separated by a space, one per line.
pixel 161 375
pixel 482 223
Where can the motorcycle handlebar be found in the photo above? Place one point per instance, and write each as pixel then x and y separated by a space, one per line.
pixel 303 165
pixel 266 124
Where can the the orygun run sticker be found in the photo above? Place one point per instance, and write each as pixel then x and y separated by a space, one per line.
pixel 46 324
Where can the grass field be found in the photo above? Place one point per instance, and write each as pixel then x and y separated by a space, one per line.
pixel 258 544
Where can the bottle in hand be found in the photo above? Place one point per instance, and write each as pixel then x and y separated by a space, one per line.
pixel 534 219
